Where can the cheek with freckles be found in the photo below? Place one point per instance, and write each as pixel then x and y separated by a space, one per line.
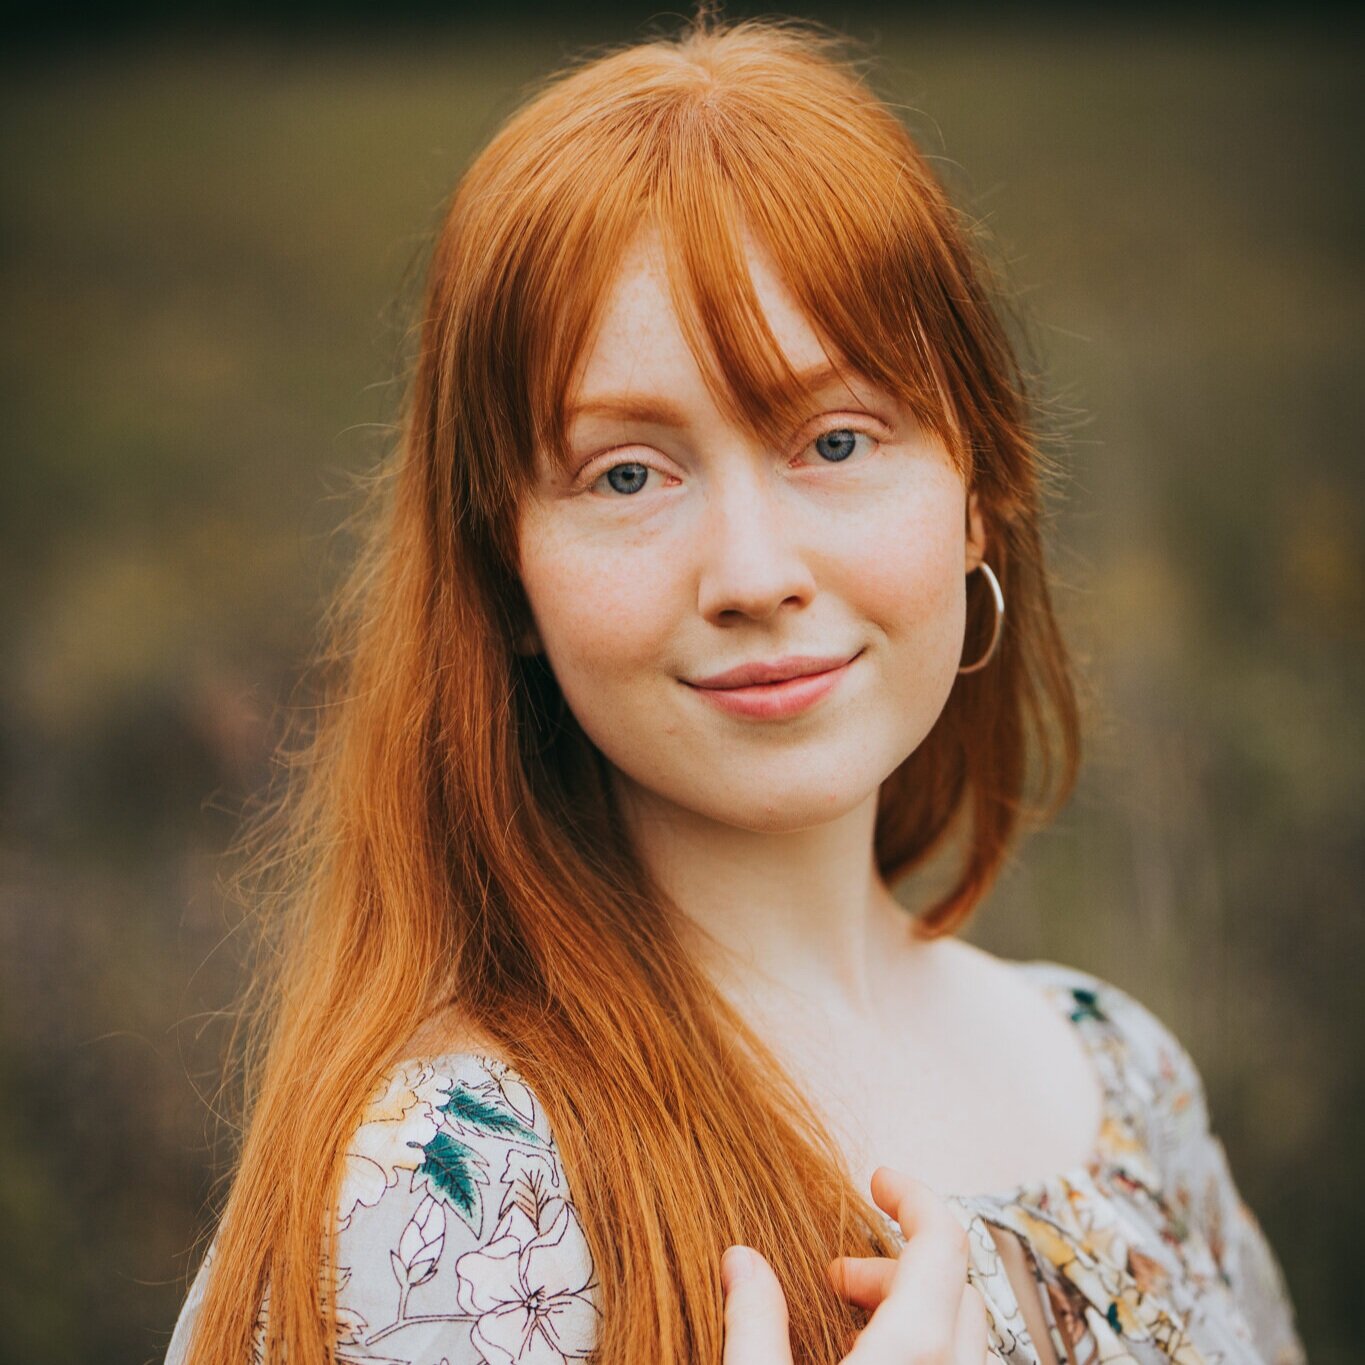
pixel 605 629
pixel 888 576
pixel 906 582
pixel 904 574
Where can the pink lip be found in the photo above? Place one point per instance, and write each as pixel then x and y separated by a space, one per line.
pixel 773 691
pixel 778 670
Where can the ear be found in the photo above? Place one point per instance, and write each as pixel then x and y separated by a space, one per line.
pixel 976 533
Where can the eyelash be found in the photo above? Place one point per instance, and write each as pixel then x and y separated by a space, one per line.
pixel 590 479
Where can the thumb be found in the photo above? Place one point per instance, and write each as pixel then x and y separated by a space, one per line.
pixel 755 1311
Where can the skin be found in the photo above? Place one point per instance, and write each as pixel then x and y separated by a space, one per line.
pixel 920 1301
pixel 761 832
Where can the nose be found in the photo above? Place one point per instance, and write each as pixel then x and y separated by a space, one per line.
pixel 751 563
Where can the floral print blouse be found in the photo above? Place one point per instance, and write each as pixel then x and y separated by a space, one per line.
pixel 459 1242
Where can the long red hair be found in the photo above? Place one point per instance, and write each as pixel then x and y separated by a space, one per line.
pixel 446 839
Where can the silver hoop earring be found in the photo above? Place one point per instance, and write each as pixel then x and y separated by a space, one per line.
pixel 999 619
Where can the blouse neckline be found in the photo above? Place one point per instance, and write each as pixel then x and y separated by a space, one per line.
pixel 1078 1006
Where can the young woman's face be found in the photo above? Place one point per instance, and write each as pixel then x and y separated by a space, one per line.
pixel 679 549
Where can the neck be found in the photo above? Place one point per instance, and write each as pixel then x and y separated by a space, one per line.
pixel 770 915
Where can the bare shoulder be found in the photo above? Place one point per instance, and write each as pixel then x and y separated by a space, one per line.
pixel 1030 1033
pixel 985 978
pixel 964 967
pixel 1006 992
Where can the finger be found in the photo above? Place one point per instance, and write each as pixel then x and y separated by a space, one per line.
pixel 921 1305
pixel 862 1280
pixel 866 1280
pixel 756 1330
pixel 971 1344
pixel 909 1201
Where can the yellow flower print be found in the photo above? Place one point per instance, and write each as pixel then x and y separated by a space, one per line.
pixel 399 1120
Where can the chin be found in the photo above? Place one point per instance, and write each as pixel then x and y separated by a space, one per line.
pixel 782 809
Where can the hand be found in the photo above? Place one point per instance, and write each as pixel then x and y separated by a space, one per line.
pixel 923 1309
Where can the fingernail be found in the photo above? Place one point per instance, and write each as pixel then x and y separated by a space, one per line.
pixel 736 1266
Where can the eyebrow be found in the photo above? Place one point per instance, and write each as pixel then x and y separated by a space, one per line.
pixel 661 412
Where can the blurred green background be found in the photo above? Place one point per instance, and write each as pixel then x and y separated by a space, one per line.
pixel 209 247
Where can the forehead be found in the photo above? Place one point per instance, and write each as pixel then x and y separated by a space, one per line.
pixel 640 342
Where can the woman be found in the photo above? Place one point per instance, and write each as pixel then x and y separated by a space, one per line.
pixel 680 640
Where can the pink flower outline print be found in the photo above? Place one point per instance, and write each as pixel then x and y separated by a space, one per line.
pixel 532 1301
pixel 420 1246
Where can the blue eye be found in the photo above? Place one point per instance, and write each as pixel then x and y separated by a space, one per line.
pixel 837 445
pixel 833 446
pixel 627 478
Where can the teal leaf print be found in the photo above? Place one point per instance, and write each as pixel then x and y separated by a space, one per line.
pixel 453 1171
pixel 466 1107
pixel 1086 1006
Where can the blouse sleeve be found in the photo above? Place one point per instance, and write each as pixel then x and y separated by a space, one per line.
pixel 177 1351
pixel 457 1239
pixel 1198 1180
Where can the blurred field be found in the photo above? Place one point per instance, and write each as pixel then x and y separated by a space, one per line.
pixel 208 255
